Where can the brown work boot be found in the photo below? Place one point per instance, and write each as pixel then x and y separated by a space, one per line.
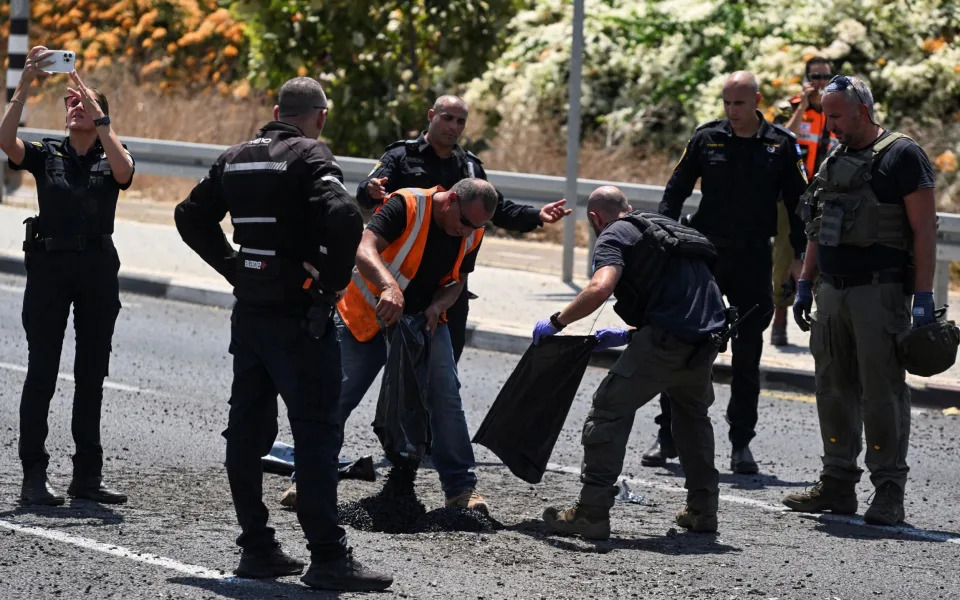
pixel 470 500
pixel 831 494
pixel 887 505
pixel 590 522
pixel 289 497
pixel 694 520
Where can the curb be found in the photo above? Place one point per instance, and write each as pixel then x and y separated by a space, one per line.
pixel 931 395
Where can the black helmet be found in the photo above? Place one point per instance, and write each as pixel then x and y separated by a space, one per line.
pixel 930 349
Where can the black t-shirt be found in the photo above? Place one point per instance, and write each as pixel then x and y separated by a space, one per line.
pixel 77 194
pixel 439 255
pixel 903 169
pixel 688 304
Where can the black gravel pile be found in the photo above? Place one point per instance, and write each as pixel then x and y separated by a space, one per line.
pixel 405 514
pixel 455 518
pixel 382 513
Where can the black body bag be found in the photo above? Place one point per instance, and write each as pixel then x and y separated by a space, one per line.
pixel 401 422
pixel 525 420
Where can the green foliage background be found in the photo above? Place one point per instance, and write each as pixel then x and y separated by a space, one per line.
pixel 382 63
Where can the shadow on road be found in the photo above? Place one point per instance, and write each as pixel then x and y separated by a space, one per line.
pixel 744 482
pixel 853 527
pixel 682 543
pixel 250 589
pixel 83 510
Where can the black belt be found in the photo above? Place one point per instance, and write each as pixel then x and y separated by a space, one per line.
pixel 66 244
pixel 841 282
pixel 722 242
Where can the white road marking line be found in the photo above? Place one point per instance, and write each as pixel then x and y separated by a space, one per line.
pixel 120 552
pixel 854 520
pixel 520 255
pixel 107 384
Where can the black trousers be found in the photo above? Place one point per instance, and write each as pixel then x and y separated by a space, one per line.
pixel 457 322
pixel 271 355
pixel 88 280
pixel 744 277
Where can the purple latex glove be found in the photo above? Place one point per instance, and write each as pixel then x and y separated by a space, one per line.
pixel 543 329
pixel 611 338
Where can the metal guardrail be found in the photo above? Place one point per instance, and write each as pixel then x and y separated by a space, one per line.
pixel 191 160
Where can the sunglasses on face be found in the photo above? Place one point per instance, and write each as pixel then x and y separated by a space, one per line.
pixel 464 221
pixel 70 101
pixel 819 76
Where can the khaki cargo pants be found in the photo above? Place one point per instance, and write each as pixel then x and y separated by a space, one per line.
pixel 861 384
pixel 652 363
pixel 782 258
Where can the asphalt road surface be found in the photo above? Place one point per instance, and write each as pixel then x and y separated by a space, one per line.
pixel 166 403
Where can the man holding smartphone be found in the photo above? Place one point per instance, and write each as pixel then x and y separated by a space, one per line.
pixel 803 115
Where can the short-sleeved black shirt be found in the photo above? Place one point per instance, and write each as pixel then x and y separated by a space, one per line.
pixel 903 169
pixel 77 194
pixel 439 255
pixel 689 303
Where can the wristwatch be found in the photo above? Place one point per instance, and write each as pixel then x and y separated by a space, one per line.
pixel 104 120
pixel 555 321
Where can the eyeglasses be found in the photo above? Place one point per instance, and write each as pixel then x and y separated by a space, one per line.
pixel 819 76
pixel 71 101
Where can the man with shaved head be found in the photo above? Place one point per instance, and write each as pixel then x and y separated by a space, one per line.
pixel 435 158
pixel 659 271
pixel 745 165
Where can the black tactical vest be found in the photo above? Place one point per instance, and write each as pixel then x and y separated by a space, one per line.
pixel 265 183
pixel 662 240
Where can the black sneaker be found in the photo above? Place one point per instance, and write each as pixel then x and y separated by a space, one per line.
pixel 345 574
pixel 887 506
pixel 269 564
pixel 658 453
pixel 831 494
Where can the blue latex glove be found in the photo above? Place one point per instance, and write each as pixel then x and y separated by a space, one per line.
pixel 611 338
pixel 543 329
pixel 803 304
pixel 923 309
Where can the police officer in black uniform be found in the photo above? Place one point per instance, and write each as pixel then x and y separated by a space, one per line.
pixel 298 232
pixel 744 164
pixel 70 259
pixel 435 158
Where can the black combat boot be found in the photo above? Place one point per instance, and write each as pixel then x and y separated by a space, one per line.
pixel 36 490
pixel 658 454
pixel 92 488
pixel 345 574
pixel 698 521
pixel 267 564
pixel 742 461
pixel 887 505
pixel 836 495
pixel 590 522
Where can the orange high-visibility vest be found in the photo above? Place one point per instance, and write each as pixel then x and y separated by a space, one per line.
pixel 402 258
pixel 812 128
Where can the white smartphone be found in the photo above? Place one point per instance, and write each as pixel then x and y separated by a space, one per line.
pixel 64 61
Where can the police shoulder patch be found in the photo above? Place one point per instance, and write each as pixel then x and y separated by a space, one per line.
pixel 803 171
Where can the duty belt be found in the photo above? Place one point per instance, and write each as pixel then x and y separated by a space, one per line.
pixel 66 244
pixel 841 282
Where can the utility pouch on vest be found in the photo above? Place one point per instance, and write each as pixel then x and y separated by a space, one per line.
pixel 831 223
pixel 31 233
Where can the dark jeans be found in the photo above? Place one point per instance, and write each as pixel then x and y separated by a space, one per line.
pixel 457 323
pixel 55 280
pixel 744 277
pixel 271 355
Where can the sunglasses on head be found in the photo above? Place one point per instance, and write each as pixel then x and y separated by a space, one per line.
pixel 819 76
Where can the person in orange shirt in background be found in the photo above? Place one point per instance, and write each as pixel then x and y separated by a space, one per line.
pixel 803 115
